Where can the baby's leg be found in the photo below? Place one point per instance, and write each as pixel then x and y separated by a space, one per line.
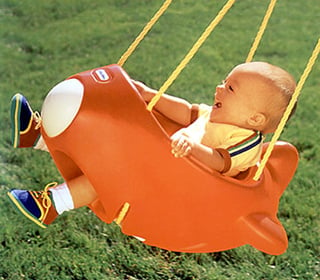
pixel 41 145
pixel 43 207
pixel 82 192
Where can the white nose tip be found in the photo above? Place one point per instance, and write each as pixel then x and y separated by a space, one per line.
pixel 61 106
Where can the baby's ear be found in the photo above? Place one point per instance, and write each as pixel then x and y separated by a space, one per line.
pixel 258 120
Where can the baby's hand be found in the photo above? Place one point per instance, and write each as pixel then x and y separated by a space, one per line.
pixel 181 145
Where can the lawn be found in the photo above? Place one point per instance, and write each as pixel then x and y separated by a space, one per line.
pixel 44 42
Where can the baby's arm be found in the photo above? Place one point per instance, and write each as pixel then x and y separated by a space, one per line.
pixel 177 109
pixel 182 146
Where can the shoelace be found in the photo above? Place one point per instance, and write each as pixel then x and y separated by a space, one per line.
pixel 37 118
pixel 46 200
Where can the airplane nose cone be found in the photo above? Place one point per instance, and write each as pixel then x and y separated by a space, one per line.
pixel 61 106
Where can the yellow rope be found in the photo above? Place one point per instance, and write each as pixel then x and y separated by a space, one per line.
pixel 144 32
pixel 288 110
pixel 123 212
pixel 191 53
pixel 261 30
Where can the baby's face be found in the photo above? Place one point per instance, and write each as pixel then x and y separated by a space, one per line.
pixel 240 96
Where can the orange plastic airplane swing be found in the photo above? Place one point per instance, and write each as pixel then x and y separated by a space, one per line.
pixel 175 204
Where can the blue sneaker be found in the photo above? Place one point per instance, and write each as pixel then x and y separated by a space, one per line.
pixel 35 205
pixel 25 123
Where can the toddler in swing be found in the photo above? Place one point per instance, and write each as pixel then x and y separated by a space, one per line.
pixel 227 136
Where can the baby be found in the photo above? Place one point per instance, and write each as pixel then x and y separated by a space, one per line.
pixel 227 137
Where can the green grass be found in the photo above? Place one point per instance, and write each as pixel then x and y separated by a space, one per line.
pixel 44 42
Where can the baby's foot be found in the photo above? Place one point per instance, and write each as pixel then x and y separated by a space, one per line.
pixel 25 123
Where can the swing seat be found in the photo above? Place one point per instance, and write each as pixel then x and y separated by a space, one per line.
pixel 175 204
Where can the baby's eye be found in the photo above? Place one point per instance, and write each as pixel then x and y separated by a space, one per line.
pixel 227 85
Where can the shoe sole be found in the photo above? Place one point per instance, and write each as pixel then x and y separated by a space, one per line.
pixel 25 212
pixel 15 119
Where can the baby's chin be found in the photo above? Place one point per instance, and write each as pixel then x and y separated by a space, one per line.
pixel 213 117
pixel 213 114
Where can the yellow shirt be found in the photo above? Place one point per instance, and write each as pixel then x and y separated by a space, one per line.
pixel 243 146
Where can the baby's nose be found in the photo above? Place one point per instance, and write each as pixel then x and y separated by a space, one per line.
pixel 219 89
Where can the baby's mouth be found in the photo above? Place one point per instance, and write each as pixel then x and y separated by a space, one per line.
pixel 217 105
